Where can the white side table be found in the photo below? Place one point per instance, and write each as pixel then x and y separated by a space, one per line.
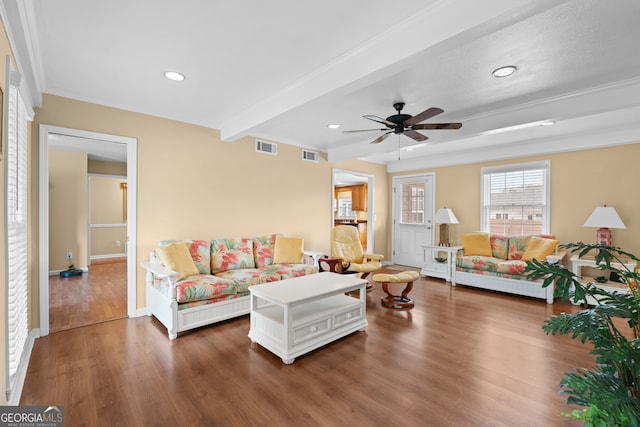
pixel 442 270
pixel 589 261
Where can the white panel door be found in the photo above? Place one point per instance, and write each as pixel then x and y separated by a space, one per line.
pixel 412 218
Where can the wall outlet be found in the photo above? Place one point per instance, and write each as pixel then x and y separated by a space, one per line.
pixel 117 243
pixel 69 254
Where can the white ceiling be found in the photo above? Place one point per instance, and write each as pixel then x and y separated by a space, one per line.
pixel 284 69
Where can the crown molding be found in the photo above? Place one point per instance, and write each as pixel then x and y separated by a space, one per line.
pixel 18 19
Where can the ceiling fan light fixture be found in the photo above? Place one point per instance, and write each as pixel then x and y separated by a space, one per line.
pixel 174 75
pixel 505 71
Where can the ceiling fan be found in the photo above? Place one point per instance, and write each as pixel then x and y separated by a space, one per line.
pixel 405 124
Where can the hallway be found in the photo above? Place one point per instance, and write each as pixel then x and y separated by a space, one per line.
pixel 97 296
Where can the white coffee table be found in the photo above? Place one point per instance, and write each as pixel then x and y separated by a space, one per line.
pixel 295 316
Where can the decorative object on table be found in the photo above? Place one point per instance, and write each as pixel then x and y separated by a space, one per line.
pixel 444 217
pixel 440 259
pixel 610 391
pixel 600 279
pixel 604 218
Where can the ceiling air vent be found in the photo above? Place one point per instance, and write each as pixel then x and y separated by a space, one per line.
pixel 310 156
pixel 266 147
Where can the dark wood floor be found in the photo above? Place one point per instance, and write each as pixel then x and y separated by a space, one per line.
pixel 461 357
pixel 97 296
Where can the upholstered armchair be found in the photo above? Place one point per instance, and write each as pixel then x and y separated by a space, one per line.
pixel 345 244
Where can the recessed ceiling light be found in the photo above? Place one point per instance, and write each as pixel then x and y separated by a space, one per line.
pixel 504 71
pixel 174 75
pixel 333 126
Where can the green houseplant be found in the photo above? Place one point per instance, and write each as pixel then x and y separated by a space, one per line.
pixel 610 391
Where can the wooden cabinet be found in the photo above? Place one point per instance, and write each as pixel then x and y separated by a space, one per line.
pixel 358 193
pixel 359 197
pixel 362 231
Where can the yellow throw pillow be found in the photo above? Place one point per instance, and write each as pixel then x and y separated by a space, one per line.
pixel 476 244
pixel 288 250
pixel 539 248
pixel 176 256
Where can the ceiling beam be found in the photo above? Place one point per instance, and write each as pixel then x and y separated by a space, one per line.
pixel 434 24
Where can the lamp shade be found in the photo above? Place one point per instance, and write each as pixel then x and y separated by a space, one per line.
pixel 445 216
pixel 604 217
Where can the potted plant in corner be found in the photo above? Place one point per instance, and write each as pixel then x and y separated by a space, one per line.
pixel 610 391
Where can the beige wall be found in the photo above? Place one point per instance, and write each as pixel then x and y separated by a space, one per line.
pixel 107 168
pixel 193 185
pixel 106 200
pixel 103 241
pixel 67 208
pixel 580 181
pixel 107 207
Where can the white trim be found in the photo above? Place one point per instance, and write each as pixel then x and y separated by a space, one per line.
pixel 132 162
pixel 18 18
pixel 140 312
pixel 371 181
pixel 106 175
pixel 109 256
pixel 514 167
pixel 21 374
pixel 107 225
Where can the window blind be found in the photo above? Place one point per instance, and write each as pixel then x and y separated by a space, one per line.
pixel 515 199
pixel 16 230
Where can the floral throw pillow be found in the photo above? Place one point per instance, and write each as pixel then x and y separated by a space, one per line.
pixel 499 246
pixel 230 254
pixel 263 250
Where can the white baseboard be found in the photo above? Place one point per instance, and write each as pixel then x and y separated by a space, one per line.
pixel 141 312
pixel 107 256
pixel 21 374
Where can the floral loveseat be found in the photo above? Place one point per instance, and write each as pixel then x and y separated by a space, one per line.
pixel 197 282
pixel 496 262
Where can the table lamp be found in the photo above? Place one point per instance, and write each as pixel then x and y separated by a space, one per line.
pixel 604 218
pixel 444 217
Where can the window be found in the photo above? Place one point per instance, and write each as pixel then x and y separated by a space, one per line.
pixel 412 203
pixel 16 233
pixel 515 199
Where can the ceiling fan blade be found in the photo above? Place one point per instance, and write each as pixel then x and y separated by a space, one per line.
pixel 361 130
pixel 382 138
pixel 437 126
pixel 426 114
pixel 415 135
pixel 380 120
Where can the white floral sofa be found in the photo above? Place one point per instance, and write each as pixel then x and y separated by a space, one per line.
pixel 496 262
pixel 197 282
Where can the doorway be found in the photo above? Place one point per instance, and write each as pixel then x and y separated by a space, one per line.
pixel 85 141
pixel 413 201
pixel 343 207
